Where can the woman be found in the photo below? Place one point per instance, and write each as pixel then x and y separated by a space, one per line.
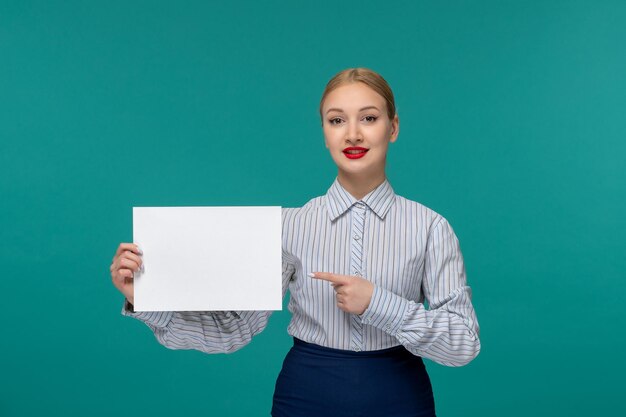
pixel 359 263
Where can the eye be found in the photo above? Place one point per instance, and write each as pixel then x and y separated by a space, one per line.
pixel 335 121
pixel 370 119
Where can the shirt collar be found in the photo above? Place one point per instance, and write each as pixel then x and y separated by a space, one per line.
pixel 379 200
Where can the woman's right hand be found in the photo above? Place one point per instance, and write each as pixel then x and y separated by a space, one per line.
pixel 126 262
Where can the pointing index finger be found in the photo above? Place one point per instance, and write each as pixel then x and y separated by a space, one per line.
pixel 327 276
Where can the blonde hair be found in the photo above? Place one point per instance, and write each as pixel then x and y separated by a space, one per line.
pixel 372 79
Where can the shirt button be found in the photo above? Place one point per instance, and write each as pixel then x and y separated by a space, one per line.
pixel 357 237
pixel 356 348
pixel 357 273
pixel 388 327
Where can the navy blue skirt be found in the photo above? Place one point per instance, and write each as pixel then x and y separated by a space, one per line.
pixel 317 381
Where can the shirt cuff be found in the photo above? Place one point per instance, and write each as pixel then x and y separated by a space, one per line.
pixel 386 310
pixel 155 318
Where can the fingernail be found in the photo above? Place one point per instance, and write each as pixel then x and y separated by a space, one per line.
pixel 139 250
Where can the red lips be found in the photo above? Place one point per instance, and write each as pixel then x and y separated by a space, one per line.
pixel 355 152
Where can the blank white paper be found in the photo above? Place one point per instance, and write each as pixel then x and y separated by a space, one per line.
pixel 208 258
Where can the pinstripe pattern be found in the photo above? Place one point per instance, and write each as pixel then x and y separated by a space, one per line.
pixel 407 250
pixel 357 216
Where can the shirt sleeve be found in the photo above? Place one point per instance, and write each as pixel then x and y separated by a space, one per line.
pixel 207 331
pixel 447 332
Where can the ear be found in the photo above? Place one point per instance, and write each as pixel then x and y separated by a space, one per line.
pixel 395 128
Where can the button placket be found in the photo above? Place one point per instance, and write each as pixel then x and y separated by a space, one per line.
pixel 356 265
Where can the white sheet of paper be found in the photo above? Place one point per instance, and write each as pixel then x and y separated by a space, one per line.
pixel 208 258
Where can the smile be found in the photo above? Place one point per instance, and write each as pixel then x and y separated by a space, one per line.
pixel 355 152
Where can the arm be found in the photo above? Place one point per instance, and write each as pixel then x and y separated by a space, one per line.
pixel 448 331
pixel 207 331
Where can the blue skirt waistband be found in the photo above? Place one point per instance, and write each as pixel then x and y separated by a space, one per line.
pixel 340 353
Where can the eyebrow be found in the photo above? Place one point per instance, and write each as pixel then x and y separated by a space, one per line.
pixel 362 108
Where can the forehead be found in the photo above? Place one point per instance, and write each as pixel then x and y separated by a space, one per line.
pixel 353 96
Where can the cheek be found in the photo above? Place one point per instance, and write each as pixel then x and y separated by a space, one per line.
pixel 380 136
pixel 327 141
pixel 331 138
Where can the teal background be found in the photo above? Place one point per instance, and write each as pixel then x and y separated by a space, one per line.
pixel 512 127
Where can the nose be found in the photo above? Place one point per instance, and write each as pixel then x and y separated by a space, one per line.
pixel 353 134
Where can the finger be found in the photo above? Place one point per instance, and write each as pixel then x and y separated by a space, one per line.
pixel 130 255
pixel 123 280
pixel 128 264
pixel 327 276
pixel 133 247
pixel 124 274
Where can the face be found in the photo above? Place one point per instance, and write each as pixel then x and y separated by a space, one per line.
pixel 357 130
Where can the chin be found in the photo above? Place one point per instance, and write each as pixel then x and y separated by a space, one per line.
pixel 357 171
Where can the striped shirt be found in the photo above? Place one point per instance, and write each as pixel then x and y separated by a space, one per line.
pixel 410 254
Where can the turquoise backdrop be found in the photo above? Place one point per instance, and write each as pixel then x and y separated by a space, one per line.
pixel 513 126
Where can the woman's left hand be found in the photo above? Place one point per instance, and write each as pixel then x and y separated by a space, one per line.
pixel 353 293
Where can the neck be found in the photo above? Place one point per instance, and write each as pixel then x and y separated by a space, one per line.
pixel 359 186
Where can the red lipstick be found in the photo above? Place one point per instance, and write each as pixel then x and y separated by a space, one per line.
pixel 355 152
